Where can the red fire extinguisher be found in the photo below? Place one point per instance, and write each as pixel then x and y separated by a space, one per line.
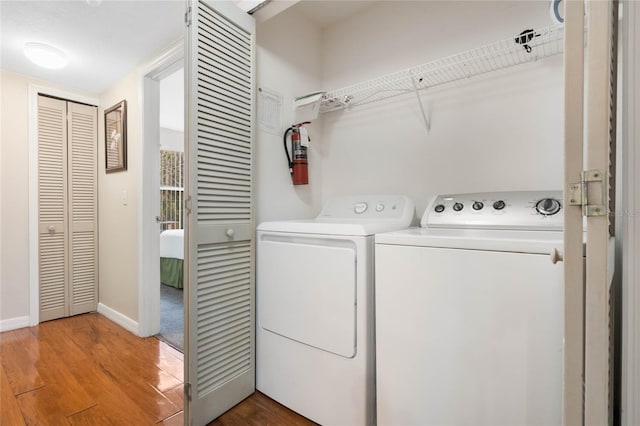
pixel 298 161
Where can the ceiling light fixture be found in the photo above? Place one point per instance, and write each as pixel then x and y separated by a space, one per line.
pixel 45 56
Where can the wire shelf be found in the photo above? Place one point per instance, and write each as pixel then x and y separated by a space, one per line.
pixel 529 46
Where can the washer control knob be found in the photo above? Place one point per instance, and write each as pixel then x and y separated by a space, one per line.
pixel 360 208
pixel 439 208
pixel 477 205
pixel 499 205
pixel 548 206
pixel 379 207
pixel 458 206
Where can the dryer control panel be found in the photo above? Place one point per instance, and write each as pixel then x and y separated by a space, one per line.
pixel 526 210
pixel 368 207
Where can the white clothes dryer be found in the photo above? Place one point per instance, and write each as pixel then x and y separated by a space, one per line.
pixel 315 347
pixel 469 313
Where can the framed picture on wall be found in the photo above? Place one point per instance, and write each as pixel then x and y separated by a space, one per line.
pixel 115 137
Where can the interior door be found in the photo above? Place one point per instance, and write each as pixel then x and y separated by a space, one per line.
pixel 219 246
pixel 67 207
pixel 83 212
pixel 52 208
pixel 589 192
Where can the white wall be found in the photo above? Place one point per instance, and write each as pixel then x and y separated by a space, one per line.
pixel 287 63
pixel 14 172
pixel 171 140
pixel 14 178
pixel 118 196
pixel 501 131
pixel 172 101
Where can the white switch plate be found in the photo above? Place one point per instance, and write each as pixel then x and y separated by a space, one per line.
pixel 124 198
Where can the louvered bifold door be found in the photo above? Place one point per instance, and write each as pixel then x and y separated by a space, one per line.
pixel 82 196
pixel 220 353
pixel 52 207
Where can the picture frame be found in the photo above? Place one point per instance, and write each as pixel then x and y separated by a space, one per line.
pixel 115 137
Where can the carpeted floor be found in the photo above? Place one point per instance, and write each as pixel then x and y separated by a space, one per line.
pixel 172 316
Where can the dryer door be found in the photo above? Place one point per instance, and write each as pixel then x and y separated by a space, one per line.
pixel 307 291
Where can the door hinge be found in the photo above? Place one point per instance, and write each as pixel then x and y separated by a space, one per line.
pixel 187 391
pixel 187 205
pixel 579 193
pixel 187 17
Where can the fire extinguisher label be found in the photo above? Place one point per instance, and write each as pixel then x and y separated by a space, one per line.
pixel 304 137
pixel 300 154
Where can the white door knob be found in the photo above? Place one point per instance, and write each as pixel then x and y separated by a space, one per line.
pixel 556 256
pixel 230 232
pixel 52 228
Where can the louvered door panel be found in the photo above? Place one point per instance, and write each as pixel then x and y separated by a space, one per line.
pixel 52 212
pixel 220 258
pixel 83 208
pixel 224 306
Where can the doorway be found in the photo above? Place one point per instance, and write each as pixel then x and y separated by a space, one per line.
pixel 171 189
pixel 149 278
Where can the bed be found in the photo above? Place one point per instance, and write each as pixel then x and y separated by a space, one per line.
pixel 172 257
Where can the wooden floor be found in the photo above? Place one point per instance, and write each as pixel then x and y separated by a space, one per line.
pixel 86 370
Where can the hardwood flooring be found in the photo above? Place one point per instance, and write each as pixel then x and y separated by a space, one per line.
pixel 87 370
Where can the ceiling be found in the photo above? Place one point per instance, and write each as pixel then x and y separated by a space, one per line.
pixel 327 12
pixel 103 42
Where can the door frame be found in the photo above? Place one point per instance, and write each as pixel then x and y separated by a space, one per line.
pixel 630 235
pixel 34 262
pixel 148 229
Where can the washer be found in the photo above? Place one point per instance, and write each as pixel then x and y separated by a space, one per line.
pixel 469 313
pixel 315 347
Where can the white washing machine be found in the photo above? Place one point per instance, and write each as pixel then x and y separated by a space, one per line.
pixel 315 347
pixel 469 313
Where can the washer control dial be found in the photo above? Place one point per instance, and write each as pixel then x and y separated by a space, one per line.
pixel 439 208
pixel 379 207
pixel 458 207
pixel 477 205
pixel 499 205
pixel 548 206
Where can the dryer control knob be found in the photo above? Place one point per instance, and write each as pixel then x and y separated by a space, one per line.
pixel 548 206
pixel 379 207
pixel 478 205
pixel 439 208
pixel 458 207
pixel 360 208
pixel 499 205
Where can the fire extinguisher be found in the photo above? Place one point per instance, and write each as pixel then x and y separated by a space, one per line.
pixel 298 161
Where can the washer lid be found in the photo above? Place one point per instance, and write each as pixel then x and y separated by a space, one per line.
pixel 532 242
pixel 353 215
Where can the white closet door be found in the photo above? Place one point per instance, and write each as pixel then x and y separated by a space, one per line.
pixel 52 207
pixel 83 208
pixel 220 351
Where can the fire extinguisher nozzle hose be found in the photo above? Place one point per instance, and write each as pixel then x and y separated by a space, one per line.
pixel 289 162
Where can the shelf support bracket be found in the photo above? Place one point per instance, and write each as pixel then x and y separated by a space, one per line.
pixel 427 125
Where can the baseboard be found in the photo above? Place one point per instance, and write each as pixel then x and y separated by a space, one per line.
pixel 14 323
pixel 120 319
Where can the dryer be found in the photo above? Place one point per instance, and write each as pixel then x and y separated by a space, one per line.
pixel 315 336
pixel 469 313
